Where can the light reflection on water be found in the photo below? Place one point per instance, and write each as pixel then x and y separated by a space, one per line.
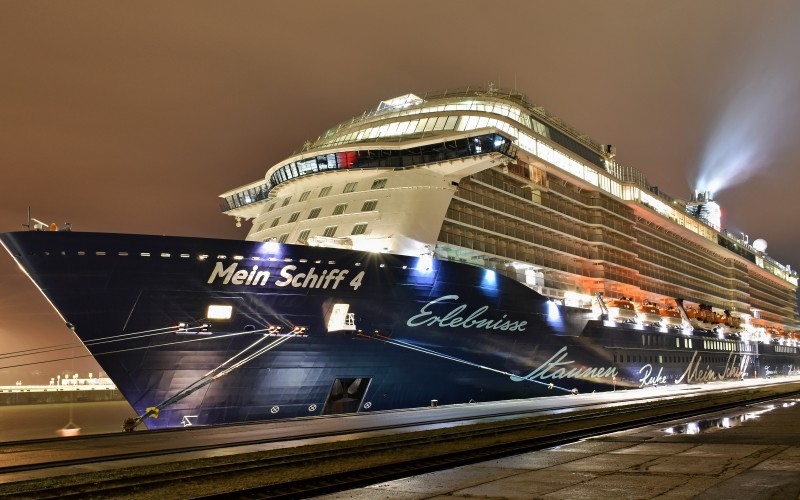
pixel 44 421
pixel 712 424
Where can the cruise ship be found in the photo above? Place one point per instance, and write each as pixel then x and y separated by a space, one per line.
pixel 449 248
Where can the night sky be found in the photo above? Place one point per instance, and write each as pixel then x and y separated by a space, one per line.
pixel 135 120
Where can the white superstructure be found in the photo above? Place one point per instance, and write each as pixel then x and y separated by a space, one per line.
pixel 484 176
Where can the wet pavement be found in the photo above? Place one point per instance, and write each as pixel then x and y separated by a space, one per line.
pixel 741 454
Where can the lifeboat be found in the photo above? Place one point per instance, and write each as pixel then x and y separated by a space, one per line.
pixel 621 310
pixel 701 317
pixel 648 313
pixel 670 317
pixel 733 322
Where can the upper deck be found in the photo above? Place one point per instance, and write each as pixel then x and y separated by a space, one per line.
pixel 409 131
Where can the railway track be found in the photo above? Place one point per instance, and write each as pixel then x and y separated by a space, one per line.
pixel 315 470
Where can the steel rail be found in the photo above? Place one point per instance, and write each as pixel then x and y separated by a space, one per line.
pixel 669 410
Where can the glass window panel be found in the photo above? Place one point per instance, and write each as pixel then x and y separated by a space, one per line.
pixel 359 228
pixel 294 216
pixel 303 236
pixel 314 213
pixel 340 209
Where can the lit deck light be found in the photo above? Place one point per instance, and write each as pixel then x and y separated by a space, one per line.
pixel 425 263
pixel 219 312
pixel 270 247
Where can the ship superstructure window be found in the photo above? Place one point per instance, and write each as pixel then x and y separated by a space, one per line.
pixel 339 209
pixel 275 222
pixel 360 228
pixel 261 226
pixel 283 238
pixel 395 158
pixel 350 187
pixel 369 205
pixel 286 201
pixel 379 184
pixel 303 236
pixel 329 231
pixel 293 217
pixel 304 196
pixel 271 207
pixel 314 213
pixel 325 191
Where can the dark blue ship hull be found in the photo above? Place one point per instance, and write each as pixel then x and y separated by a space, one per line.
pixel 419 330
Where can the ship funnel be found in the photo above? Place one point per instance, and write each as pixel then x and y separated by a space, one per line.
pixel 702 206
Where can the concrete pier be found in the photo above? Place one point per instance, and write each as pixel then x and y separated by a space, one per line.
pixel 750 454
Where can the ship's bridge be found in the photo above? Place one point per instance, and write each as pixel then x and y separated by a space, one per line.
pixel 246 201
pixel 383 196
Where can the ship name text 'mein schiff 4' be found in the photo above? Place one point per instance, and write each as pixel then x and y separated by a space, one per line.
pixel 461 246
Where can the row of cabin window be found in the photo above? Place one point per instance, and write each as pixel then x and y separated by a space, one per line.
pixel 368 206
pixel 348 188
pixel 634 358
pixel 329 232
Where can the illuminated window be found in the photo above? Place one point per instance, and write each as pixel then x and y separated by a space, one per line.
pixel 360 228
pixel 283 238
pixel 294 216
pixel 329 231
pixel 378 184
pixel 219 312
pixel 369 205
pixel 303 236
pixel 286 201
pixel 275 222
pixel 324 191
pixel 350 187
pixel 304 196
pixel 340 209
pixel 314 213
